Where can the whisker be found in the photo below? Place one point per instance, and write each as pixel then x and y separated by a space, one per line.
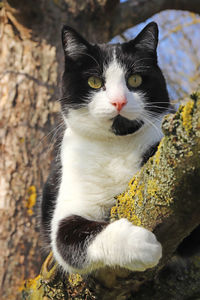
pixel 63 98
pixel 156 106
pixel 157 102
pixel 141 68
pixel 145 116
pixel 54 131
pixel 141 59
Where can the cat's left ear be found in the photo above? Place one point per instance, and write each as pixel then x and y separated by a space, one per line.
pixel 74 45
pixel 147 39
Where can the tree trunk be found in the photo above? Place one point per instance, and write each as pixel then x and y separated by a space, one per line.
pixel 28 85
pixel 31 59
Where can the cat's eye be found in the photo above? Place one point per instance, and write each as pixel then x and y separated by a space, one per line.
pixel 95 82
pixel 135 80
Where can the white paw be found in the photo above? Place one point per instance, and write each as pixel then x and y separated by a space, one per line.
pixel 124 244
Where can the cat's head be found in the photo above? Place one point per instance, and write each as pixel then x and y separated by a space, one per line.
pixel 113 88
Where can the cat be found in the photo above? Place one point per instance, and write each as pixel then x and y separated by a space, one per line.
pixel 114 97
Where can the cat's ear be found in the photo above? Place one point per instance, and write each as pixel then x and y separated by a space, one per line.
pixel 147 39
pixel 73 43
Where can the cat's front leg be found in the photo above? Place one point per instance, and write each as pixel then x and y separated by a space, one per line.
pixel 83 245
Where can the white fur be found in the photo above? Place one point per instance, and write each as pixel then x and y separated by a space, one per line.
pixel 96 166
pixel 116 89
pixel 73 48
pixel 123 244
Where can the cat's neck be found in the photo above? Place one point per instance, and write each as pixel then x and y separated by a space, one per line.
pixel 83 124
pixel 147 135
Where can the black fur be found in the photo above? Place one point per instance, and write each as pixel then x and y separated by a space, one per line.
pixel 74 234
pixel 51 187
pixel 49 196
pixel 149 153
pixel 123 126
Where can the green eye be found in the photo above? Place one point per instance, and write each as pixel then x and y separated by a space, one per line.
pixel 134 81
pixel 95 82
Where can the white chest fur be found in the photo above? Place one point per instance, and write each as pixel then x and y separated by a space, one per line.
pixel 95 171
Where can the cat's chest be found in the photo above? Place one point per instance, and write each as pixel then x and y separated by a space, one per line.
pixel 119 163
pixel 99 166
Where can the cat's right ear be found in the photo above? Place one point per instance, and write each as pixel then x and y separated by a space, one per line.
pixel 146 40
pixel 73 43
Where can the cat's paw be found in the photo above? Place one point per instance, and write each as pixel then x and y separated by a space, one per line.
pixel 124 244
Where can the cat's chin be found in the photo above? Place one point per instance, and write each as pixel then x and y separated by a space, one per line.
pixel 123 126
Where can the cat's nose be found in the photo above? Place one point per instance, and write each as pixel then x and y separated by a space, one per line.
pixel 119 104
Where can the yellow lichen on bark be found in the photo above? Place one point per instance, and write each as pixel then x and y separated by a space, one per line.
pixel 31 283
pixel 75 279
pixel 127 207
pixel 186 115
pixel 31 201
pixel 152 188
pixel 157 155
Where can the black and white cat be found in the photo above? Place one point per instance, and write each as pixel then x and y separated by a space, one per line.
pixel 114 99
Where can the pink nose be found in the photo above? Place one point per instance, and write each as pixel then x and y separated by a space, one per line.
pixel 119 104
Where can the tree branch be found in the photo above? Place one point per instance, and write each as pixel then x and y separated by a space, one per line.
pixel 164 197
pixel 104 19
pixel 166 190
pixel 131 12
pixel 179 280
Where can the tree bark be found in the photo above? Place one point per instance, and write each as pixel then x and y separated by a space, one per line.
pixel 31 59
pixel 164 196
pixel 28 73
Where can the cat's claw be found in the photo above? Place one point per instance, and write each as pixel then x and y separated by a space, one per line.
pixel 124 244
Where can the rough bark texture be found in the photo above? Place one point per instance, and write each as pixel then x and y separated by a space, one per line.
pixel 31 59
pixel 165 198
pixel 28 73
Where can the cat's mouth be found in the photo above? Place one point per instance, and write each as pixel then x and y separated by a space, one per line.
pixel 124 126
